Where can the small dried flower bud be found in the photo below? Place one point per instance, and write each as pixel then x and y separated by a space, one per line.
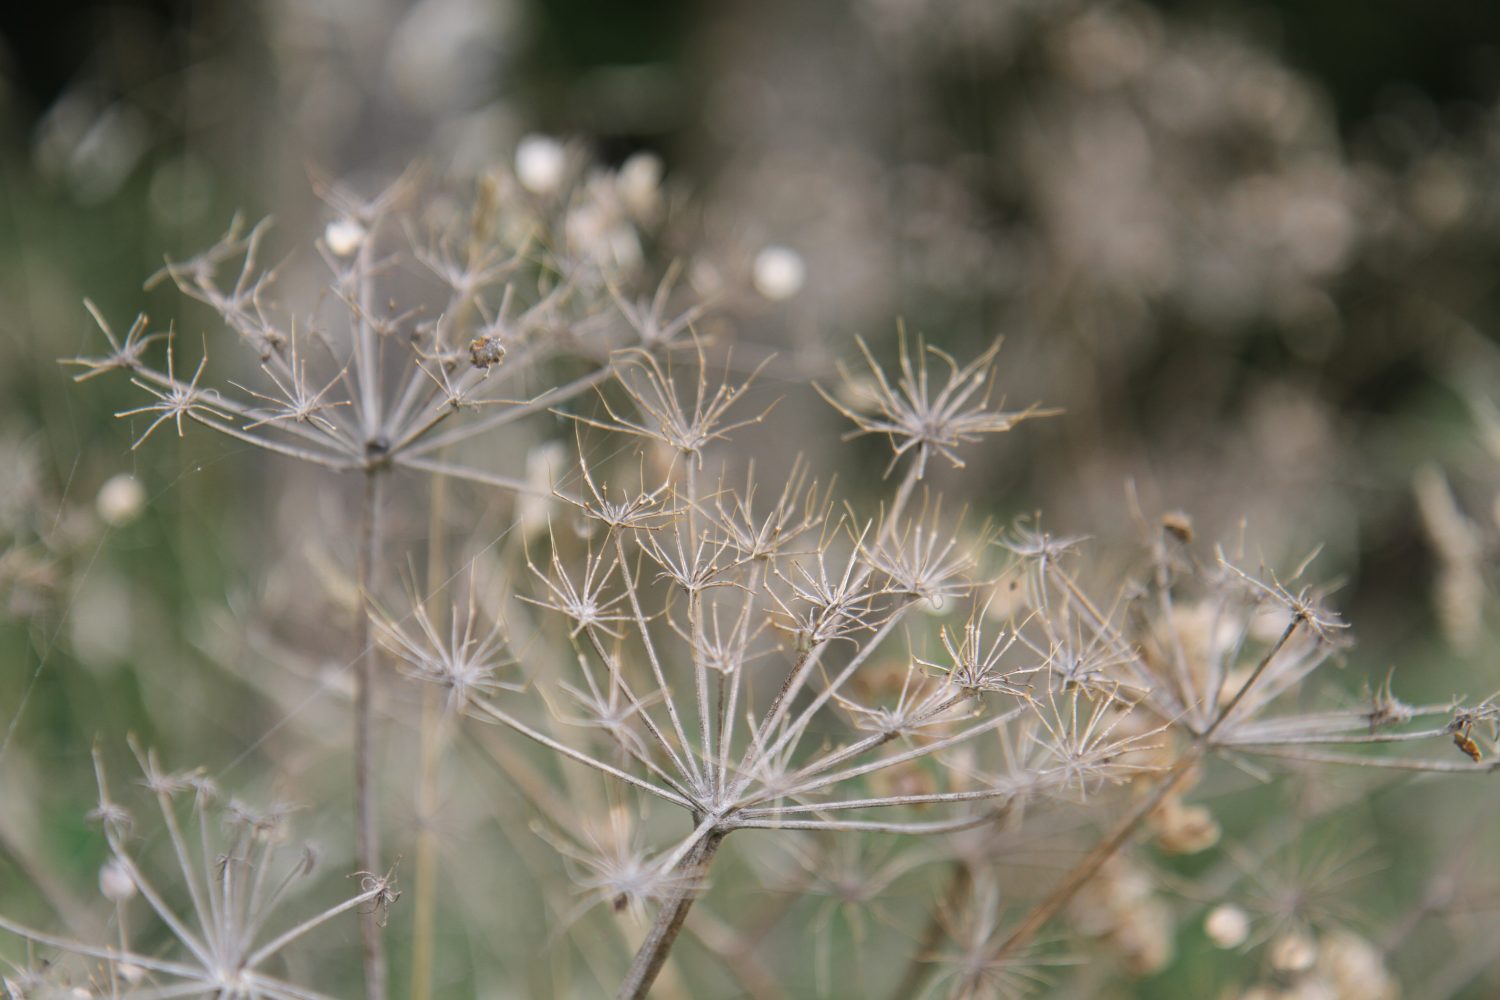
pixel 344 236
pixel 1465 742
pixel 1144 937
pixel 1185 829
pixel 1178 525
pixel 778 273
pixel 1227 925
pixel 541 164
pixel 1293 953
pixel 120 500
pixel 486 352
pixel 115 883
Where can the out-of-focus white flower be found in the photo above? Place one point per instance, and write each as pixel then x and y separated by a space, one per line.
pixel 706 280
pixel 1356 968
pixel 541 164
pixel 115 883
pixel 595 229
pixel 639 184
pixel 1227 925
pixel 778 273
pixel 344 236
pixel 92 149
pixel 120 500
pixel 445 51
pixel 1293 952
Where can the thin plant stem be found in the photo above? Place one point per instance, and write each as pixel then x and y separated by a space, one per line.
pixel 669 920
pixel 366 835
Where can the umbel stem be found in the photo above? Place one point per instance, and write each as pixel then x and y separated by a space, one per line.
pixel 669 920
pixel 366 828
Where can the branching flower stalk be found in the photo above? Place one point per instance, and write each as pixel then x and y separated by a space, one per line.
pixel 384 388
pixel 732 761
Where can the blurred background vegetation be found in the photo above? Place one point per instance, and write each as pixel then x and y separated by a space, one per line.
pixel 1250 249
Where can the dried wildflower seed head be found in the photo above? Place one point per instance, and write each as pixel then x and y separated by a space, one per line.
pixel 824 603
pixel 642 509
pixel 486 352
pixel 976 665
pixel 583 600
pixel 1090 741
pixel 380 892
pixel 610 864
pixel 465 658
pixel 1034 545
pixel 175 399
pixel 765 535
pixel 918 416
pixel 205 936
pixel 124 354
pixel 1304 605
pixel 919 559
pixel 686 427
pixel 649 319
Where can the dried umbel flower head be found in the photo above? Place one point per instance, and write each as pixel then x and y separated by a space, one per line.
pixel 918 416
pixel 219 911
pixel 466 658
pixel 384 385
pixel 713 684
